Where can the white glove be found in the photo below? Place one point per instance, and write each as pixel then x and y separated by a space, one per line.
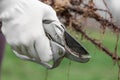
pixel 34 32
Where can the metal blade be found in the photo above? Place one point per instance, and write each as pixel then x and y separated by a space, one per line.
pixel 75 51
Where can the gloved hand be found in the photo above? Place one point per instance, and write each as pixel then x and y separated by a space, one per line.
pixel 34 32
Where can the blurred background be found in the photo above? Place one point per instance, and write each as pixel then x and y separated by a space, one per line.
pixel 100 67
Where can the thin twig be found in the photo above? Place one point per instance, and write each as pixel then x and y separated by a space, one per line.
pixel 99 45
pixel 46 74
pixel 68 72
